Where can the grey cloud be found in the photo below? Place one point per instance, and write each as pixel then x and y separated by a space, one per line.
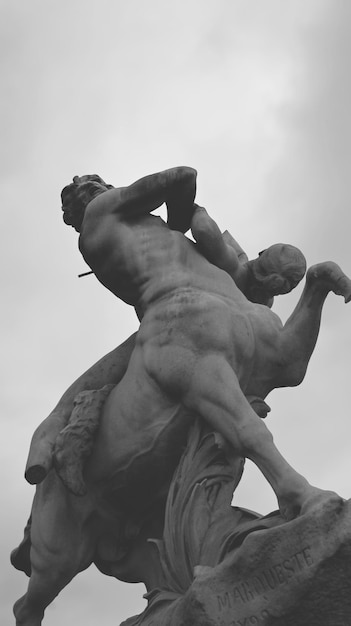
pixel 313 176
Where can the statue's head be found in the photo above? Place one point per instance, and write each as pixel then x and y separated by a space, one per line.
pixel 76 196
pixel 278 269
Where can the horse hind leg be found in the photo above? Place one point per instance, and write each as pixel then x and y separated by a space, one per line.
pixel 44 585
pixel 29 609
pixel 46 582
pixel 20 556
pixel 62 545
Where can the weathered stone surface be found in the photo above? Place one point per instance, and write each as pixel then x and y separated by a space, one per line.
pixel 296 574
pixel 225 566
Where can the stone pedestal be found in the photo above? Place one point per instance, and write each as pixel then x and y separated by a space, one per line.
pixel 225 566
pixel 296 574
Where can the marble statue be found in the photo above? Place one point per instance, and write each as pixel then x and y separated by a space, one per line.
pixel 254 279
pixel 208 349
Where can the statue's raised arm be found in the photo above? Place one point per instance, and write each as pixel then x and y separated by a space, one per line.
pixel 277 270
pixel 176 187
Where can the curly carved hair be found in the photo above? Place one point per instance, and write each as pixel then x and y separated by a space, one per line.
pixel 76 196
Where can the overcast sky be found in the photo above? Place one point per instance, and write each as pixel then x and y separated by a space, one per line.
pixel 255 94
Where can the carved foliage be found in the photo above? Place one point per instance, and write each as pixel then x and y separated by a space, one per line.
pixel 199 521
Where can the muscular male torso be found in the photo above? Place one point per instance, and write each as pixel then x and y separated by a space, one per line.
pixel 186 303
pixel 198 335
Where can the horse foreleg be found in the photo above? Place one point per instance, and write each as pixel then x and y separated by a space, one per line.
pixel 62 545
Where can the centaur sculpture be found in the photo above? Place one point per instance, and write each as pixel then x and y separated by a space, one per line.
pixel 203 349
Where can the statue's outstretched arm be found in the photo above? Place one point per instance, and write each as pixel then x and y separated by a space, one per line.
pixel 300 333
pixel 108 370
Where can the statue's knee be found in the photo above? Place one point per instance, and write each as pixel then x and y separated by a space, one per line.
pixel 28 611
pixel 18 607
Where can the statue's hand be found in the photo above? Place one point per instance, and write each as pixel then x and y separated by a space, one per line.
pixel 329 276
